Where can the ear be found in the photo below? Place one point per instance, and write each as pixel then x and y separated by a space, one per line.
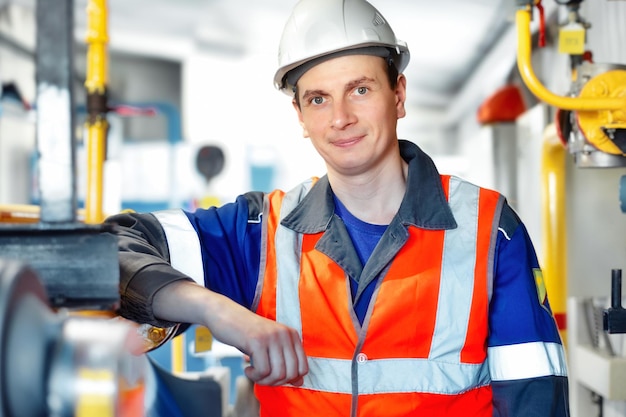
pixel 400 96
pixel 295 105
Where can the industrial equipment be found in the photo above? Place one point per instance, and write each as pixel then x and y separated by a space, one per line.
pixel 590 119
pixel 596 138
pixel 76 262
pixel 55 363
pixel 591 125
pixel 592 116
pixel 63 350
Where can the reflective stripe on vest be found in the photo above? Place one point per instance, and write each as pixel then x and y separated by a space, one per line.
pixel 185 255
pixel 445 375
pixel 395 375
pixel 527 360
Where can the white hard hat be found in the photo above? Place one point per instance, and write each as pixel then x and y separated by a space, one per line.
pixel 320 29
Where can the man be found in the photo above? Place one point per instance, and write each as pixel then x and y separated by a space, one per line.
pixel 380 289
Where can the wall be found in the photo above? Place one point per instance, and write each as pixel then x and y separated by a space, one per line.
pixel 245 121
pixel 17 126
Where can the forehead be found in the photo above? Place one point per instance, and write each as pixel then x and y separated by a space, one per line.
pixel 344 69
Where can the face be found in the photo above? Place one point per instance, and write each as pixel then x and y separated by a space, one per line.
pixel 350 112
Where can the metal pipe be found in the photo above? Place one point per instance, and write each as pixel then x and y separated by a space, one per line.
pixel 97 126
pixel 522 19
pixel 616 288
pixel 56 161
pixel 554 230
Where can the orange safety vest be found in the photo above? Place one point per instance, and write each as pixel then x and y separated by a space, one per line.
pixel 422 348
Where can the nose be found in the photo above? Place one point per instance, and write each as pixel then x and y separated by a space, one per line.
pixel 342 115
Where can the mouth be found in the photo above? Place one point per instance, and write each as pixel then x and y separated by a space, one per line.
pixel 346 142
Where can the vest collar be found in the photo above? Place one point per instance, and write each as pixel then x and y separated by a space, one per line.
pixel 424 204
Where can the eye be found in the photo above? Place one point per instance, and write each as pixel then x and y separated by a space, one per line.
pixel 317 100
pixel 361 90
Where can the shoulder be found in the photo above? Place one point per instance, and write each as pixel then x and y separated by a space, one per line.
pixel 137 225
pixel 509 221
pixel 254 200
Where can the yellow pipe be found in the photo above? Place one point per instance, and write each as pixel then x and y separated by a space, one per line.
pixel 97 125
pixel 178 354
pixel 522 19
pixel 96 133
pixel 554 230
pixel 97 40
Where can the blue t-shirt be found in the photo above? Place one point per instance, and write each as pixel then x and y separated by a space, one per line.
pixel 365 237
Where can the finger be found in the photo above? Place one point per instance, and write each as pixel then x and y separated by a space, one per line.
pixel 284 360
pixel 298 363
pixel 259 366
pixel 296 360
pixel 298 382
pixel 277 374
pixel 303 362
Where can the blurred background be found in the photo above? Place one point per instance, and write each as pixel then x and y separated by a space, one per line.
pixel 208 65
pixel 195 120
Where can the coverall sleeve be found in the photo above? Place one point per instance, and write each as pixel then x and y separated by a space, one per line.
pixel 525 353
pixel 229 243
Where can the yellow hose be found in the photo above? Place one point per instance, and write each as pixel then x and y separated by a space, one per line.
pixel 522 19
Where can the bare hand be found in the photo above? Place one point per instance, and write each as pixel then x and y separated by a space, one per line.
pixel 276 354
pixel 275 350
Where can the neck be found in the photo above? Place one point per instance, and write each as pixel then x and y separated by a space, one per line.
pixel 374 196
